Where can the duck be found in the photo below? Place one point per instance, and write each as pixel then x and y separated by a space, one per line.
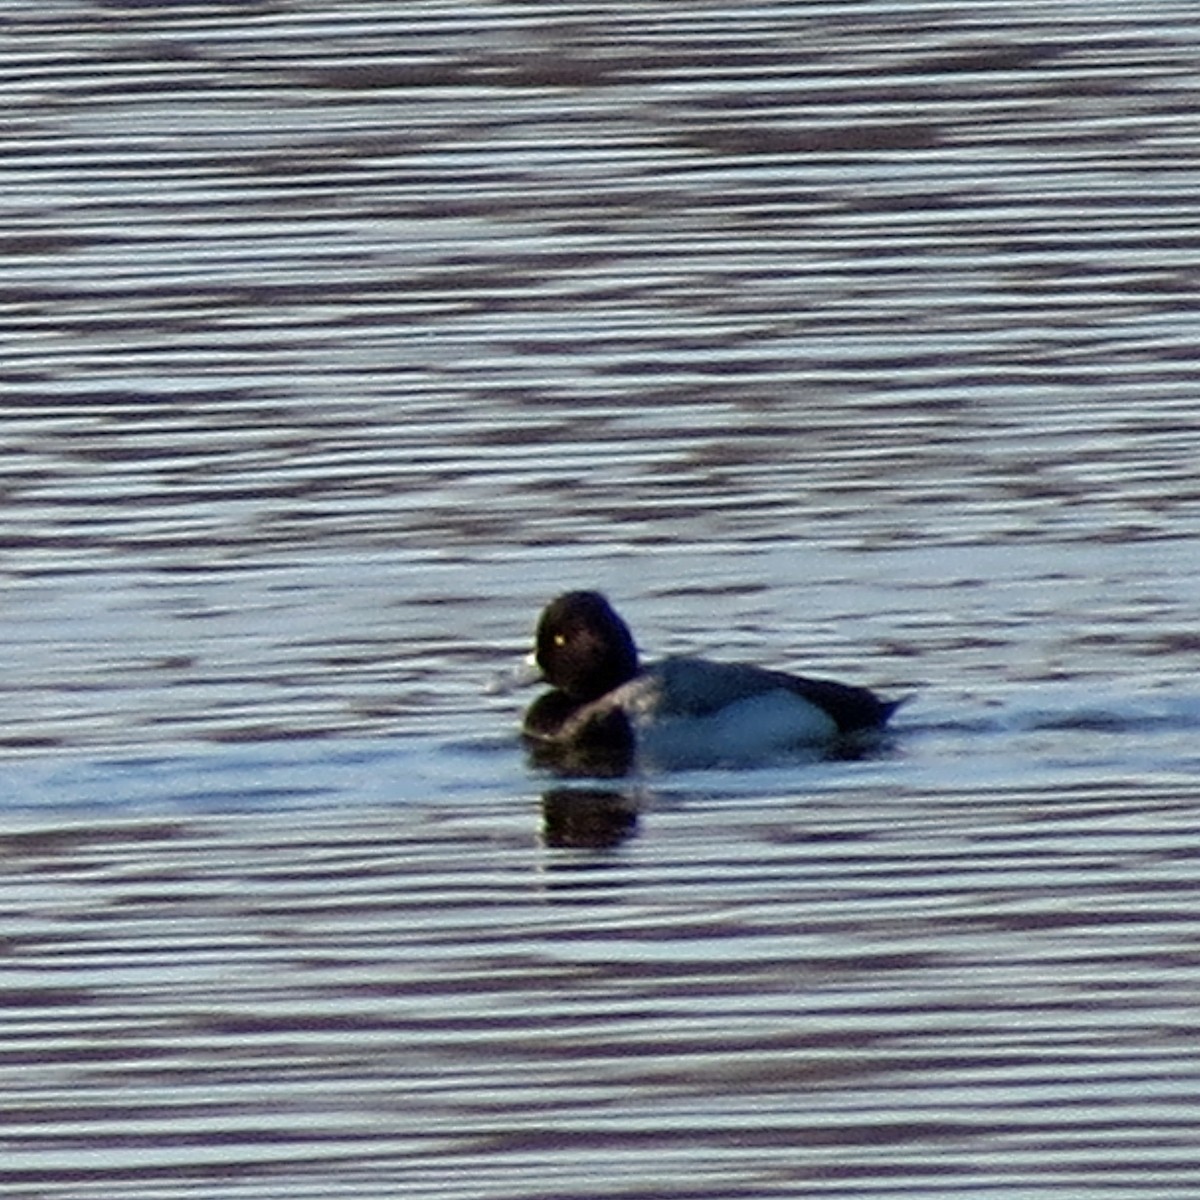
pixel 606 713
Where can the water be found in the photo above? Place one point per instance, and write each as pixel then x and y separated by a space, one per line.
pixel 854 338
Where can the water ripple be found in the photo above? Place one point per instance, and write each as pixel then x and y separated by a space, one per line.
pixel 855 338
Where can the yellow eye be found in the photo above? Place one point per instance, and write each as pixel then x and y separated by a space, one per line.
pixel 560 639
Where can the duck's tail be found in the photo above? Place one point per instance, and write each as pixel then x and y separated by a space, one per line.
pixel 889 708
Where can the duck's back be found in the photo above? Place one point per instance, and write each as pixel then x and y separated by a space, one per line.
pixel 700 687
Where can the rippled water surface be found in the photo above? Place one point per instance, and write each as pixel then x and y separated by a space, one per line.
pixel 853 338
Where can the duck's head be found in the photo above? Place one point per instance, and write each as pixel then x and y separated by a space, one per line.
pixel 583 648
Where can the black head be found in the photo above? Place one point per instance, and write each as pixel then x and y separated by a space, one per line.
pixel 583 648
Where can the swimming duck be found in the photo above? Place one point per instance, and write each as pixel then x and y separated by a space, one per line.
pixel 605 711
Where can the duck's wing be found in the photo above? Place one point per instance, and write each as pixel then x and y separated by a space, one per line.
pixel 697 687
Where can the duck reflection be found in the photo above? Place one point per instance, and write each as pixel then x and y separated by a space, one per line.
pixel 588 818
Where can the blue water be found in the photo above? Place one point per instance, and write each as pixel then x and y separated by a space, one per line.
pixel 848 338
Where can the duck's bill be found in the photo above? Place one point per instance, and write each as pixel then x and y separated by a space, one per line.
pixel 522 675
